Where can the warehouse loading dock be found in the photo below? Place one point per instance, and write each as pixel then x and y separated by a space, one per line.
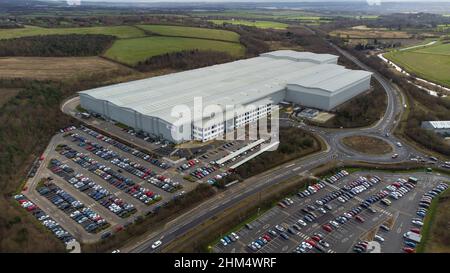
pixel 268 147
pixel 240 151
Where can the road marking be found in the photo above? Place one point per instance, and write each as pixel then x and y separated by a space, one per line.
pixel 399 229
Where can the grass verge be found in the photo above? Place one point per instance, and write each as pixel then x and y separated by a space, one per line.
pixel 435 226
pixel 367 145
pixel 199 238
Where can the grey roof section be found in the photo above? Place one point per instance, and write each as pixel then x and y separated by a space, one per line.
pixel 334 81
pixel 441 124
pixel 236 83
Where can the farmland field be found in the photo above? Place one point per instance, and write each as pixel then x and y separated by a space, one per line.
pixel 258 24
pixel 368 33
pixel 442 49
pixel 37 68
pixel 118 31
pixel 259 14
pixel 131 51
pixel 443 27
pixel 431 63
pixel 193 32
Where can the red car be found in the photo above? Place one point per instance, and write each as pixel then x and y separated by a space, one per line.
pixel 409 250
pixel 327 228
pixel 316 238
pixel 311 242
pixel 119 228
pixel 281 205
pixel 267 237
pixel 364 243
pixel 360 219
pixel 415 230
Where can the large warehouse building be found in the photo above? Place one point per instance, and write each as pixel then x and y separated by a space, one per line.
pixel 308 79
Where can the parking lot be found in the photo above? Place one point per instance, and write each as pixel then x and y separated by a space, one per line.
pixel 339 220
pixel 45 219
pixel 96 185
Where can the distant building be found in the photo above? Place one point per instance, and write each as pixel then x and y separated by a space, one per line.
pixel 304 78
pixel 441 127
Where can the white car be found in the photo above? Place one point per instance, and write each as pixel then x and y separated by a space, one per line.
pixel 378 238
pixel 334 224
pixel 324 244
pixel 306 245
pixel 301 222
pixel 224 243
pixel 235 235
pixel 417 223
pixel 156 244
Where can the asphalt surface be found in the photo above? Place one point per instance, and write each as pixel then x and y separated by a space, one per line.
pixel 335 151
pixel 398 216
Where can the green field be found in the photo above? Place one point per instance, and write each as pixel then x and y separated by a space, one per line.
pixel 443 28
pixel 441 49
pixel 431 63
pixel 134 44
pixel 131 51
pixel 193 32
pixel 242 14
pixel 260 14
pixel 118 31
pixel 258 24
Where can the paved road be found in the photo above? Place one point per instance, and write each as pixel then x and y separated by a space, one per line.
pixel 335 151
pixel 342 239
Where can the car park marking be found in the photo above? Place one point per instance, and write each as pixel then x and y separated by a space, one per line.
pixel 347 232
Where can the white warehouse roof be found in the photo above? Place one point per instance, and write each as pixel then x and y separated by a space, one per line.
pixel 443 124
pixel 236 83
pixel 302 56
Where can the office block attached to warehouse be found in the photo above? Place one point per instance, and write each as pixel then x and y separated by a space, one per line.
pixel 308 79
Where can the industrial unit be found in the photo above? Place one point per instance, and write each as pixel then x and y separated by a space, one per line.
pixel 256 84
pixel 440 127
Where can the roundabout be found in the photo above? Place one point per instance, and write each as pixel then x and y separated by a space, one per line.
pixel 367 145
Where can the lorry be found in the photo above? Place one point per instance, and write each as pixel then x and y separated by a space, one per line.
pixel 413 180
pixel 411 236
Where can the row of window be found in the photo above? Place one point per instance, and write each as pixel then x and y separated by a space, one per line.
pixel 240 120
